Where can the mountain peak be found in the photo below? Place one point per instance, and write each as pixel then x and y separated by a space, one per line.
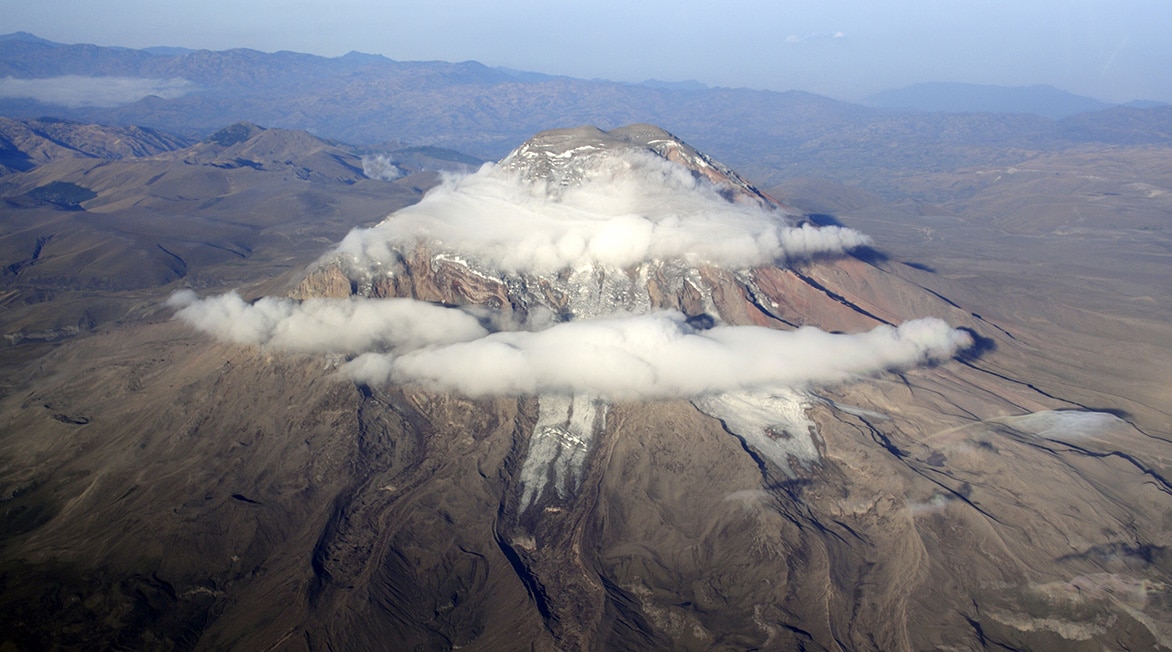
pixel 570 157
pixel 26 37
pixel 579 223
pixel 234 134
pixel 245 144
pixel 1039 99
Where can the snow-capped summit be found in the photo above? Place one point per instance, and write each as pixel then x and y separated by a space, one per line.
pixel 567 157
pixel 621 248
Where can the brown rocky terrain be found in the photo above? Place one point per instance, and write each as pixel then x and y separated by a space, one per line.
pixel 165 490
pixel 25 144
pixel 89 235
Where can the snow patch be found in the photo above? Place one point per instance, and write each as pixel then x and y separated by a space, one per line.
pixel 772 422
pixel 1065 424
pixel 562 439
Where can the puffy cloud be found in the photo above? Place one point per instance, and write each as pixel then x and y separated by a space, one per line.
pixel 659 356
pixel 653 356
pixel 326 325
pixel 380 166
pixel 628 208
pixel 76 91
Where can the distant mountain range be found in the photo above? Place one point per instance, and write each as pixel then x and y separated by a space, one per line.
pixel 951 97
pixel 366 99
pixel 1040 100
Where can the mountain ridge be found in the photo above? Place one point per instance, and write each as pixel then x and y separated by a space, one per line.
pixel 952 97
pixel 468 107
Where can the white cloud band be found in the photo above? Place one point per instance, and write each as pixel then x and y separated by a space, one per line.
pixel 660 356
pixel 630 208
pixel 326 325
pixel 652 356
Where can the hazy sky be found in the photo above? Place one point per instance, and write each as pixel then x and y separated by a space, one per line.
pixel 1114 50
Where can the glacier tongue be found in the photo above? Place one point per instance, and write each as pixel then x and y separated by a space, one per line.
pixel 772 422
pixel 561 442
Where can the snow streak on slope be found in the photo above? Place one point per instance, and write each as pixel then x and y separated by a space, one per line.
pixel 562 439
pixel 771 422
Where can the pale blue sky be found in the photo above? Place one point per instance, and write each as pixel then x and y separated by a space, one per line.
pixel 1115 50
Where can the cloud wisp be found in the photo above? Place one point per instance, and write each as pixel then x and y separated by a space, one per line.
pixel 352 325
pixel 629 209
pixel 380 166
pixel 76 91
pixel 816 36
pixel 1065 424
pixel 659 356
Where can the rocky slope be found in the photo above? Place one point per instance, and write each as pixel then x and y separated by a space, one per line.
pixel 296 486
pixel 25 144
pixel 94 219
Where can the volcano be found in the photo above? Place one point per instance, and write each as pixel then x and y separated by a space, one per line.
pixel 602 394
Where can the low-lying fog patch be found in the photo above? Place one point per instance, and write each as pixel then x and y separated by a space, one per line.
pixel 76 91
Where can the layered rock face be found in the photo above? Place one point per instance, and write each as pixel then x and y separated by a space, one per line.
pixel 655 410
